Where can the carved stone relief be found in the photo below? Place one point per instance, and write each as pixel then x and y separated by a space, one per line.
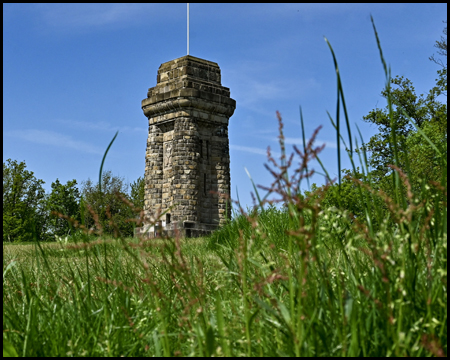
pixel 167 154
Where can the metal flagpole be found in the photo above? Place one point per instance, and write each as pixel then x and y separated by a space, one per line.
pixel 188 28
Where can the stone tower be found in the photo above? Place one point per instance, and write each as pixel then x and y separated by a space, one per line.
pixel 187 163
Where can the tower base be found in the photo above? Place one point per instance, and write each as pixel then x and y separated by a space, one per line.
pixel 186 229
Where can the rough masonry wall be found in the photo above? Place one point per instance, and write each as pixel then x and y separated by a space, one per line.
pixel 153 171
pixel 185 160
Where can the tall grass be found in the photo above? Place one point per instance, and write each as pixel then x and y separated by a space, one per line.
pixel 300 280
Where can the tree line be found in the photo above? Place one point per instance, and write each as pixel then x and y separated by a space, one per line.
pixel 30 213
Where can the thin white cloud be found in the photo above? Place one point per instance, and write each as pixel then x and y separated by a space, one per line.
pixel 98 126
pixel 270 11
pixel 246 79
pixel 93 15
pixel 299 141
pixel 82 15
pixel 254 150
pixel 265 131
pixel 52 138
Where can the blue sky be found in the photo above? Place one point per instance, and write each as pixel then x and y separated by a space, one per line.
pixel 74 74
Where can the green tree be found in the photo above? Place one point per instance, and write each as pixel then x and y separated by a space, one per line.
pixel 64 199
pixel 441 45
pixel 416 156
pixel 24 216
pixel 137 192
pixel 107 205
pixel 424 110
